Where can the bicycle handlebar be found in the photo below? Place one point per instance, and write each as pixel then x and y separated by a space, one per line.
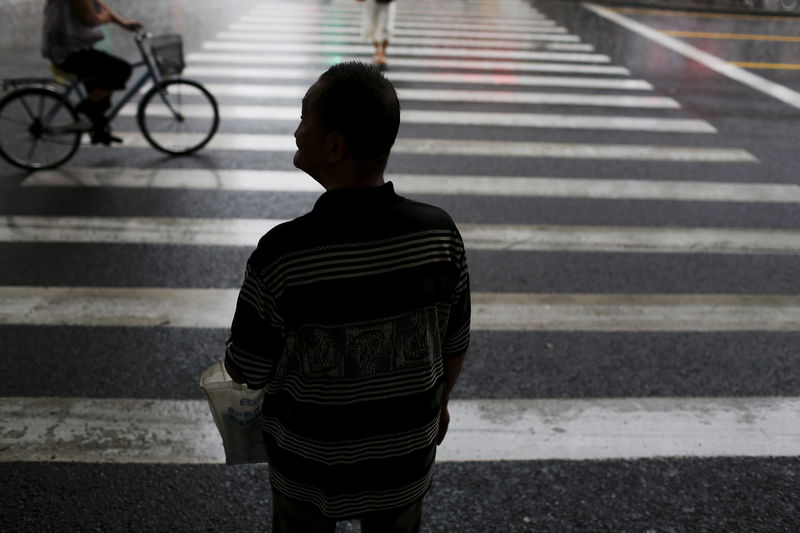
pixel 142 35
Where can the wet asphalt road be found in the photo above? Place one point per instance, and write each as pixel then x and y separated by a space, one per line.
pixel 661 495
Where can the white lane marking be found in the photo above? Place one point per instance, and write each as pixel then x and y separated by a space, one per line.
pixel 456 118
pixel 136 307
pixel 510 19
pixel 409 26
pixel 415 40
pixel 176 178
pixel 444 19
pixel 465 96
pixel 629 428
pixel 573 47
pixel 503 66
pixel 733 72
pixel 628 152
pixel 213 308
pixel 408 51
pixel 355 29
pixel 479 9
pixel 622 152
pixel 541 187
pixel 504 237
pixel 503 79
pixel 123 430
pixel 556 121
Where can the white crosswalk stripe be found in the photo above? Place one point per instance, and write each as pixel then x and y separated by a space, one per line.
pixel 417 40
pixel 355 29
pixel 459 118
pixel 309 24
pixel 535 187
pixel 180 431
pixel 429 77
pixel 502 66
pixel 626 152
pixel 253 90
pixel 213 308
pixel 441 18
pixel 503 237
pixel 418 51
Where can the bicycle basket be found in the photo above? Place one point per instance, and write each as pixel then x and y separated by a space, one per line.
pixel 167 53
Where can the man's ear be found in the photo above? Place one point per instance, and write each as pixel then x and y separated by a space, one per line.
pixel 335 146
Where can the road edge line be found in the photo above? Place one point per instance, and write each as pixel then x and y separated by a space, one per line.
pixel 770 88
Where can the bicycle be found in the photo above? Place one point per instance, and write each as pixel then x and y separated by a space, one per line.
pixel 40 129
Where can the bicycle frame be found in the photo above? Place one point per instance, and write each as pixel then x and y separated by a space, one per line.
pixel 150 73
pixel 41 109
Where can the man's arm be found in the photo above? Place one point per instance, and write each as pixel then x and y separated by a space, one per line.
pixel 452 369
pixel 257 337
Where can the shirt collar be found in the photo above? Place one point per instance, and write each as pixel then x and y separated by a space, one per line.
pixel 372 197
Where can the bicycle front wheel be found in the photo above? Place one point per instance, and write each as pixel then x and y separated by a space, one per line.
pixel 178 116
pixel 37 128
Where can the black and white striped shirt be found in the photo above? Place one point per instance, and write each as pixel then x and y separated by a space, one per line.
pixel 346 315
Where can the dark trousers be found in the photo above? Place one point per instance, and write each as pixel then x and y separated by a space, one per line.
pixel 293 516
pixel 106 71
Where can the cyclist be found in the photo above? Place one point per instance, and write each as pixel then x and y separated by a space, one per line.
pixel 71 29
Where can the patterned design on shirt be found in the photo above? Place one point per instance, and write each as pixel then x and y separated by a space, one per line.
pixel 346 315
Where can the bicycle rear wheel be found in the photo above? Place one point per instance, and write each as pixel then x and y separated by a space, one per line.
pixel 37 129
pixel 178 116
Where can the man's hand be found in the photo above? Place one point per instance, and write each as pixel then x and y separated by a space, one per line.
pixel 452 368
pixel 444 422
pixel 234 372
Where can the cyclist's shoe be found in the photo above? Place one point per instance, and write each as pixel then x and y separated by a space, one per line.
pixel 100 132
pixel 103 135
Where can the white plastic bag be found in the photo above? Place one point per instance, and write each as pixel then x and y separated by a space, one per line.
pixel 236 410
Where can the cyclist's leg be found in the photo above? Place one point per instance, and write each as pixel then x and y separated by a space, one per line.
pixel 104 73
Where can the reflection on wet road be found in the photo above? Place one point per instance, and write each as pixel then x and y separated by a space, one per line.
pixel 767 44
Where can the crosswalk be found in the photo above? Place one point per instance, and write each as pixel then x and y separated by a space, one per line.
pixel 483 84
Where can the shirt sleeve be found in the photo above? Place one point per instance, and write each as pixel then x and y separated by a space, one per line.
pixel 458 325
pixel 257 335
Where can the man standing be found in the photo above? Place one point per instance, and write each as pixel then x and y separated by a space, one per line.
pixel 355 317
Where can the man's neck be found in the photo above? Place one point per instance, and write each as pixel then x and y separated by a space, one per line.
pixel 351 181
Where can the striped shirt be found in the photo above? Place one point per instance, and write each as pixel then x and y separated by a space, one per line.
pixel 346 315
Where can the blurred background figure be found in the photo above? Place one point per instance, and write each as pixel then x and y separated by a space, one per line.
pixel 378 25
pixel 71 29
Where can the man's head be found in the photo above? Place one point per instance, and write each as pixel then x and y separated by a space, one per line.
pixel 350 114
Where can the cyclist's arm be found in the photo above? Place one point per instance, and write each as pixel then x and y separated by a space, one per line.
pixel 95 12
pixel 90 12
pixel 127 24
